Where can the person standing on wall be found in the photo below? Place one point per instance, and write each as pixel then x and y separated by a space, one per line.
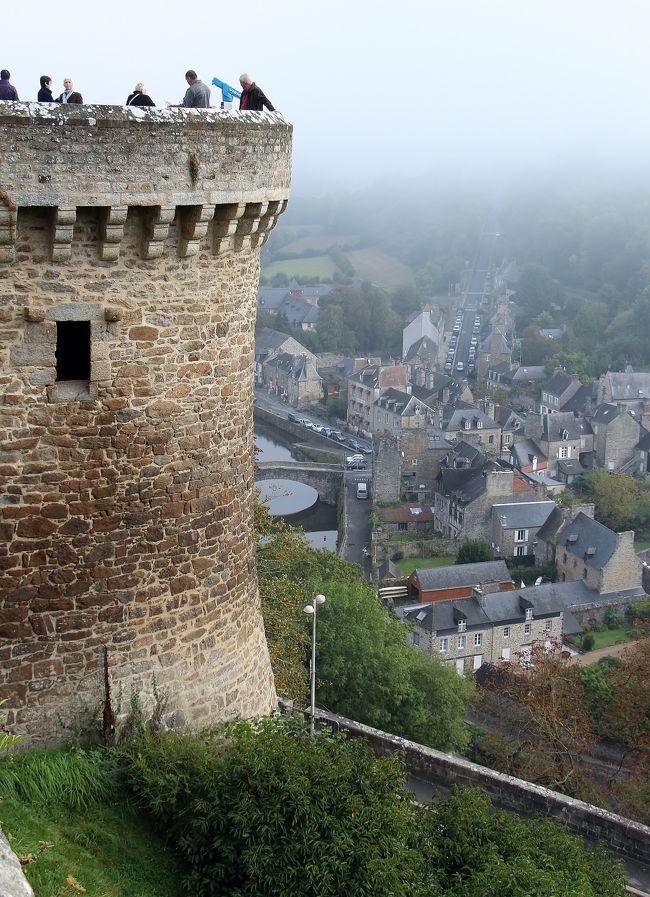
pixel 197 95
pixel 7 90
pixel 45 93
pixel 253 97
pixel 139 97
pixel 69 95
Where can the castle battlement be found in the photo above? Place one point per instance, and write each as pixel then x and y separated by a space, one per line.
pixel 129 267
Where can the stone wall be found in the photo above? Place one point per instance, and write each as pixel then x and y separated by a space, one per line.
pixel 126 504
pixel 627 839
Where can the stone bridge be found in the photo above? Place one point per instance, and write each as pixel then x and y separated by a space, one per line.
pixel 326 479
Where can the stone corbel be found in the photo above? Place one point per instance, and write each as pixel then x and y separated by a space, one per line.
pixel 224 227
pixel 269 220
pixel 7 233
pixel 62 230
pixel 194 221
pixel 156 230
pixel 112 232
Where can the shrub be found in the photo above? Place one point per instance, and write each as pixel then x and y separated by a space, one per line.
pixel 588 641
pixel 269 810
pixel 613 617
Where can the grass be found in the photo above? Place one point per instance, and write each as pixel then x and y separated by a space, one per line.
pixel 383 270
pixel 71 801
pixel 641 544
pixel 609 637
pixel 109 850
pixel 320 456
pixel 408 565
pixel 320 266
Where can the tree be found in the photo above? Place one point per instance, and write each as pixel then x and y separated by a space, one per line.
pixel 615 497
pixel 473 551
pixel 367 671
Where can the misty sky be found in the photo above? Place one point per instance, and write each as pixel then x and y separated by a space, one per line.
pixel 373 88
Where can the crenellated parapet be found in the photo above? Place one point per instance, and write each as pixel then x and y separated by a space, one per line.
pixel 129 265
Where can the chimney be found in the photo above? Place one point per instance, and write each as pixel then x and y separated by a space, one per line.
pixel 477 592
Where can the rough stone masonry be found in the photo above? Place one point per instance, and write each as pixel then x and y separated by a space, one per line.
pixel 129 264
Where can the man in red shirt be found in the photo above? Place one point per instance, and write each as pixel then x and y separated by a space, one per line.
pixel 253 97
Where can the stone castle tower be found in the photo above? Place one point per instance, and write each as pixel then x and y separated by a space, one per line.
pixel 129 265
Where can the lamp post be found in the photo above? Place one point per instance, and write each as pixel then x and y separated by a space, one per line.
pixel 311 609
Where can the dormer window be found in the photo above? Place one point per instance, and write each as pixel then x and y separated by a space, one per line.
pixel 462 626
pixel 565 435
pixel 479 424
pixel 529 613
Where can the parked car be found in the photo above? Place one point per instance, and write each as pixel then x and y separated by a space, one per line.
pixel 293 417
pixel 325 431
pixel 362 490
pixel 354 444
pixel 336 434
pixel 460 366
pixel 356 465
pixel 357 457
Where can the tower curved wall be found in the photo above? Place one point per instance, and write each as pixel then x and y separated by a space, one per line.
pixel 129 266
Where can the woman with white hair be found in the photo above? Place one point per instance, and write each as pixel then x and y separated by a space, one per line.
pixel 139 97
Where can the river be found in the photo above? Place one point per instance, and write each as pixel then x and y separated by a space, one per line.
pixel 319 523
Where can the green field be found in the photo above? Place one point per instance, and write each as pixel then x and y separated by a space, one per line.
pixel 320 266
pixel 641 544
pixel 380 269
pixel 408 565
pixel 609 637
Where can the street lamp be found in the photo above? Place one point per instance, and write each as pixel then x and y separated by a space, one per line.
pixel 311 609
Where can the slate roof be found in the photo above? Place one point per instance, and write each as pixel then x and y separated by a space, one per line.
pixel 468 455
pixel 298 311
pixel 439 616
pixel 271 297
pixel 523 514
pixel 593 543
pixel 423 349
pixel 570 467
pixel 629 385
pixel 458 575
pixel 644 441
pixel 580 400
pixel 606 413
pixel 548 531
pixel 554 424
pixel 401 403
pixel 523 374
pixel 465 484
pixel 559 382
pixel 367 376
pixel 475 417
pixel 267 339
pixel 524 450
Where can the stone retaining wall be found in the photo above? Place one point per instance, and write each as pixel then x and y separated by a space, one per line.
pixel 627 839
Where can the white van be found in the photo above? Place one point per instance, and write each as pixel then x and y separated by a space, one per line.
pixel 362 490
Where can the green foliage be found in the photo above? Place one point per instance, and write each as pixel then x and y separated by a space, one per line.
pixel 588 641
pixel 473 551
pixel 352 320
pixel 368 672
pixel 613 617
pixel 474 850
pixel 620 503
pixel 7 739
pixel 268 810
pixel 74 778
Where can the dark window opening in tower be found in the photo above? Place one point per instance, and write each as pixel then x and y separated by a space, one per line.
pixel 72 350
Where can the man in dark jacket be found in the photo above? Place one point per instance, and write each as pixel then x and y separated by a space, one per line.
pixel 69 95
pixel 7 90
pixel 253 97
pixel 45 93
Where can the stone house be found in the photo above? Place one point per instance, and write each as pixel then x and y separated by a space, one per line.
pixel 411 517
pixel 527 456
pixel 643 452
pixel 515 527
pixel 604 560
pixel 557 391
pixel 628 389
pixel 428 325
pixel 473 425
pixel 422 454
pixel 458 581
pixel 487 628
pixel 397 410
pixel 269 344
pixel 545 547
pixel 364 388
pixel 294 378
pixel 514 378
pixel 464 498
pixel 616 436
pixel 563 436
pixel 494 350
